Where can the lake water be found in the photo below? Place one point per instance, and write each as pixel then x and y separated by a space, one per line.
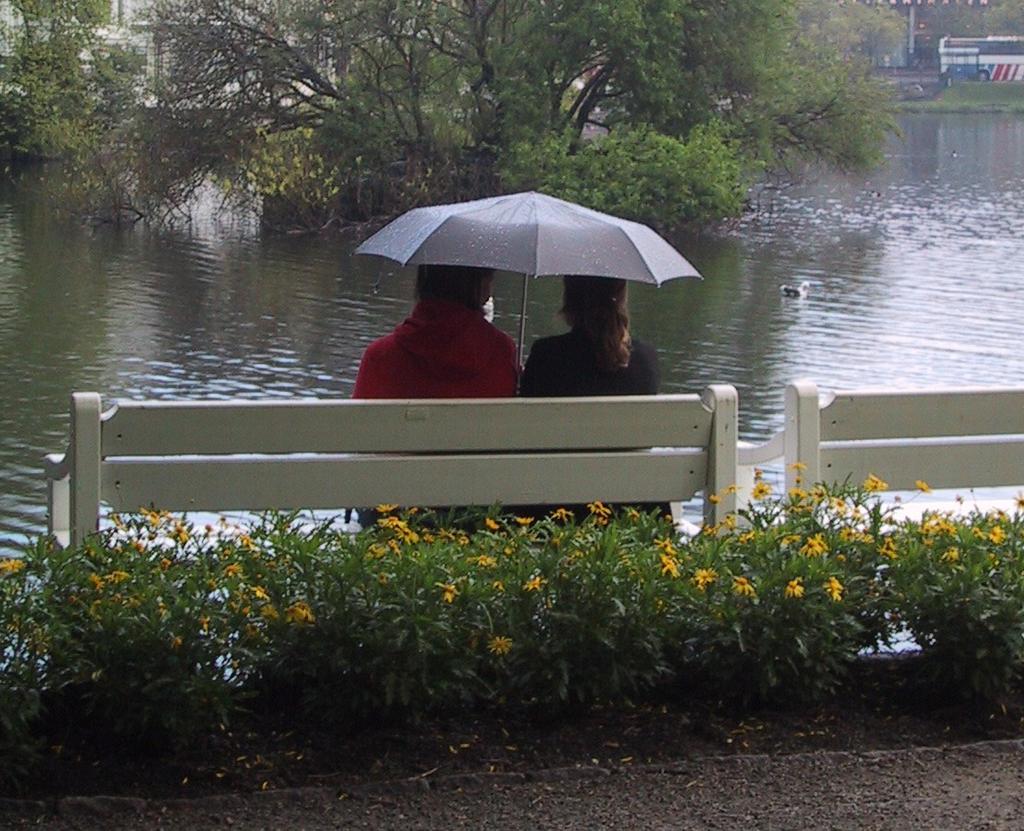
pixel 916 272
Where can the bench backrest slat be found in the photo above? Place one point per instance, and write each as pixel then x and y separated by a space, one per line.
pixel 925 413
pixel 996 462
pixel 240 483
pixel 226 427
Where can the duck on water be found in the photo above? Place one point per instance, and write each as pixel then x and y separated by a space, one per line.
pixel 798 290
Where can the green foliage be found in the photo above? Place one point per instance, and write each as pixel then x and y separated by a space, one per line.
pixel 1004 18
pixel 46 105
pixel 638 173
pixel 424 102
pixel 22 669
pixel 959 588
pixel 793 596
pixel 872 31
pixel 156 631
pixel 297 185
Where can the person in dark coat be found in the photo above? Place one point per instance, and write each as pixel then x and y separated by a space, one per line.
pixel 445 348
pixel 598 355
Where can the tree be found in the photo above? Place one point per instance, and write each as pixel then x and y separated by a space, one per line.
pixel 406 101
pixel 1004 18
pixel 45 101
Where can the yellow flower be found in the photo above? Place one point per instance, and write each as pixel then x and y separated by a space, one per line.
pixel 269 612
pixel 97 581
pixel 762 490
pixel 498 586
pixel 873 484
pixel 888 548
pixel 523 521
pixel 747 536
pixel 815 546
pixel 633 514
pixel 743 587
pixel 704 577
pixel 789 539
pixel 922 486
pixel 299 612
pixel 997 535
pixel 534 584
pixel 795 587
pixel 669 566
pixel 599 509
pixel 499 645
pixel 117 577
pixel 665 546
pixel 165 564
pixel 1020 502
pixel 798 494
pixel 12 565
pixel 385 508
pixel 204 623
pixel 951 555
pixel 834 589
pixel 232 570
pixel 799 467
pixel 448 592
pixel 714 498
pixel 260 593
pixel 486 561
pixel 176 642
pixel 491 524
pixel 561 514
pixel 376 551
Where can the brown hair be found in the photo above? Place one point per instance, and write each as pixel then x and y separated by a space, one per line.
pixel 456 283
pixel 597 305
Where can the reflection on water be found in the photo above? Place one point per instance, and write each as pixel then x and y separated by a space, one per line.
pixel 914 271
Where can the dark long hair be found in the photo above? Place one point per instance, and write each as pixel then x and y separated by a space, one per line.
pixel 455 283
pixel 597 305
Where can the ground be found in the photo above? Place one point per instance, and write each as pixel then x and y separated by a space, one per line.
pixel 881 754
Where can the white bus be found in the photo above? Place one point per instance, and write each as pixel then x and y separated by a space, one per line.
pixel 992 58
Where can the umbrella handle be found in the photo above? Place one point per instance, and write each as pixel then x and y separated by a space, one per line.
pixel 522 325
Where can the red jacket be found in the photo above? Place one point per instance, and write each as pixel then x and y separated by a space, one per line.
pixel 442 350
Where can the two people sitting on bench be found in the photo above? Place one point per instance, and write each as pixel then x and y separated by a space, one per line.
pixel 446 348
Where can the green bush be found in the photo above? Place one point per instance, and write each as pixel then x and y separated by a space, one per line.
pixel 959 588
pixel 143 627
pixel 785 602
pixel 156 632
pixel 637 173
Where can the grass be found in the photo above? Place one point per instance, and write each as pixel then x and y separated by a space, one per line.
pixel 973 96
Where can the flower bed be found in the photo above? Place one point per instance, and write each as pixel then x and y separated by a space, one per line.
pixel 157 631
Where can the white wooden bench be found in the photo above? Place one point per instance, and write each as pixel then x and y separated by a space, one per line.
pixel 948 438
pixel 331 454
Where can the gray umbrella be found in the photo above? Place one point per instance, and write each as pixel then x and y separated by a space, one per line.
pixel 532 234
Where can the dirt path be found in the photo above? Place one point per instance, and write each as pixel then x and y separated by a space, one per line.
pixel 975 786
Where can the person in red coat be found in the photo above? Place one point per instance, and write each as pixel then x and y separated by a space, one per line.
pixel 445 348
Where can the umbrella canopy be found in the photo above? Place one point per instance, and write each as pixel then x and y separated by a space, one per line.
pixel 529 233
